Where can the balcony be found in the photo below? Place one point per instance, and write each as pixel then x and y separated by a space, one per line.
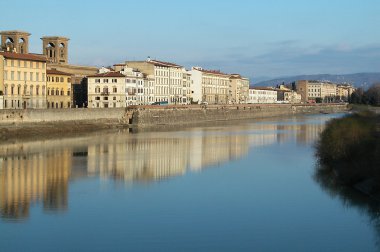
pixel 104 93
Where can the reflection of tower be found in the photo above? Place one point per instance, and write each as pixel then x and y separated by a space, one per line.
pixel 56 49
pixel 15 41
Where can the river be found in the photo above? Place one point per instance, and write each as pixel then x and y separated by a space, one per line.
pixel 244 186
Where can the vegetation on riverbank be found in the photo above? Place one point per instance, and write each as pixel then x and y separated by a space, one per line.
pixel 349 151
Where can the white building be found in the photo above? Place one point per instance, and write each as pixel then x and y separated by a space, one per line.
pixel 165 78
pixel 209 86
pixel 262 95
pixel 1 101
pixel 106 90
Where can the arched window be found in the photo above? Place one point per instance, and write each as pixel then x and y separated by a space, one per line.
pixel 48 91
pixel 21 43
pixel 9 43
pixel 57 92
pixel 62 92
pixel 50 50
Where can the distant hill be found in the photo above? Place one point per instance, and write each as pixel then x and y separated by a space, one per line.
pixel 358 79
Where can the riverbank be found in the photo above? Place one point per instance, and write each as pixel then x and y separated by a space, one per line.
pixel 349 152
pixel 20 124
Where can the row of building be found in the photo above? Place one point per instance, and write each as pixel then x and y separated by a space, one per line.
pixel 29 80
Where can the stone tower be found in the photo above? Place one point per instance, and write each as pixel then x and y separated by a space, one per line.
pixel 15 41
pixel 56 49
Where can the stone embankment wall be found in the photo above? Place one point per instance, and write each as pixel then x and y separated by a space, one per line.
pixel 177 115
pixel 59 115
pixel 142 116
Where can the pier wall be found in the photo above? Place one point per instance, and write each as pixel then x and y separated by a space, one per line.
pixel 141 116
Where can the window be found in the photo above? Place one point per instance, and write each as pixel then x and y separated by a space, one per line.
pixel 115 89
pixel 31 76
pixel 61 79
pixel 56 79
pixel 18 89
pixel 97 98
pixel 68 92
pixel 18 75
pixel 12 75
pixel 114 80
pixel 69 80
pixel 114 98
pixel 12 63
pixel 37 90
pixel 105 80
pixel 31 90
pixel 62 92
pixel 97 89
pixel 37 76
pixel 43 77
pixel 57 92
pixel 97 80
pixel 5 75
pixel 12 90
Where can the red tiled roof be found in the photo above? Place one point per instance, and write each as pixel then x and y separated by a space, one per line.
pixel 263 88
pixel 163 63
pixel 24 56
pixel 213 72
pixel 109 74
pixel 56 72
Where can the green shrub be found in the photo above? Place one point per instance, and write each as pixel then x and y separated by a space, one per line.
pixel 349 148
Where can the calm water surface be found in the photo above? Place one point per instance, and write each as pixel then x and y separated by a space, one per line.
pixel 243 187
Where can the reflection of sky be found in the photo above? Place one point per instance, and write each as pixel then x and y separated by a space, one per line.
pixel 41 170
pixel 260 196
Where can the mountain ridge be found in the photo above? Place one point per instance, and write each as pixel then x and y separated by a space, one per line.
pixel 357 79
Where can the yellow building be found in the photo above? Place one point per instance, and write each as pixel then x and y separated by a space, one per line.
pixel 239 89
pixel 23 80
pixel 58 89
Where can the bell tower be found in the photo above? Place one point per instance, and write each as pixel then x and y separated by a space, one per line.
pixel 15 41
pixel 56 49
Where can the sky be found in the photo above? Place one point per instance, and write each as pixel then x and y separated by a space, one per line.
pixel 258 39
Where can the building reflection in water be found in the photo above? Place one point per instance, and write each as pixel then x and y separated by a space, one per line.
pixel 40 171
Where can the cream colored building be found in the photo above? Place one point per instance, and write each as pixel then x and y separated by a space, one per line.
pixel 292 97
pixel 312 90
pixel 344 91
pixel 168 79
pixel 23 81
pixel 58 89
pixel 209 86
pixel 262 95
pixel 139 89
pixel 239 89
pixel 106 90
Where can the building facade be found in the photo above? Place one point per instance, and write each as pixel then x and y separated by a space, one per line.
pixel 106 90
pixel 23 82
pixel 262 95
pixel 239 89
pixel 167 79
pixel 312 91
pixel 209 86
pixel 59 93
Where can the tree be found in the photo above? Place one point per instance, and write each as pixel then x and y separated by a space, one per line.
pixel 373 94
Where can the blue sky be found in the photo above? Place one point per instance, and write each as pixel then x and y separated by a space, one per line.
pixel 258 39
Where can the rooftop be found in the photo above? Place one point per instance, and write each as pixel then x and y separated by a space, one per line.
pixel 108 74
pixel 56 72
pixel 24 56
